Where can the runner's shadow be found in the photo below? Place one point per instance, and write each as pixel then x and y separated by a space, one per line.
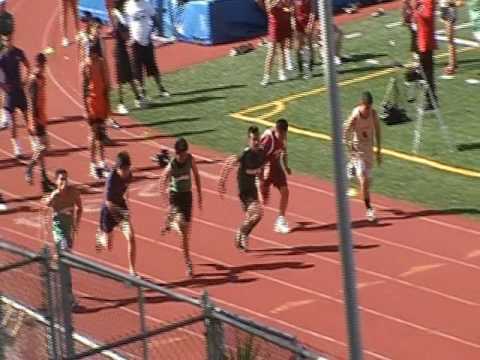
pixel 201 280
pixel 10 163
pixel 161 122
pixel 66 151
pixel 116 303
pixel 65 119
pixel 201 91
pixel 400 214
pixel 357 224
pixel 236 270
pixel 163 136
pixel 195 100
pixel 470 146
pixel 307 249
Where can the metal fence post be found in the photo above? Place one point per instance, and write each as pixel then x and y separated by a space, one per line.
pixel 67 300
pixel 143 325
pixel 2 331
pixel 49 312
pixel 214 331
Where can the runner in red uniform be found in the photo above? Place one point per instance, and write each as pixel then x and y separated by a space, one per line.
pixel 304 20
pixel 274 144
pixel 279 31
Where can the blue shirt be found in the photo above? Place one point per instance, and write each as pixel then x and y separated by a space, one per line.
pixel 115 188
pixel 10 60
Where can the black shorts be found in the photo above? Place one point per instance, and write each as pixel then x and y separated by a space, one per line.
pixel 181 202
pixel 15 99
pixel 97 127
pixel 143 56
pixel 247 198
pixel 123 66
pixel 448 14
pixel 110 219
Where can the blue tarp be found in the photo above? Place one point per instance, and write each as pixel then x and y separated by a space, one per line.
pixel 206 21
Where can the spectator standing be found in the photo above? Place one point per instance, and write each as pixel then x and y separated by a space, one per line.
pixel 141 17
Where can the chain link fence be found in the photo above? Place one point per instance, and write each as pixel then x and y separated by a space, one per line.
pixel 80 309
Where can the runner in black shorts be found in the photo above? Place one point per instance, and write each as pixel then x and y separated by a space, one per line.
pixel 250 163
pixel 10 59
pixel 177 175
pixel 115 211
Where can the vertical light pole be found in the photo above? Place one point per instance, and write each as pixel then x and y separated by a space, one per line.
pixel 343 209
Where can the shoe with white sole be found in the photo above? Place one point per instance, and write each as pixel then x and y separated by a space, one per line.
pixel 371 215
pixel 17 151
pixel 65 42
pixel 281 225
pixel 122 109
pixel 282 76
pixel 163 92
pixel 3 204
pixel 140 104
pixel 265 81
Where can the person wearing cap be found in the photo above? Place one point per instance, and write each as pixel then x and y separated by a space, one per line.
pixel 11 58
pixel 361 131
pixel 72 6
pixel 115 213
pixel 96 87
pixel 37 122
pixel 177 177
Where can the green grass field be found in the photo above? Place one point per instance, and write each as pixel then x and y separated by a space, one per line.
pixel 204 96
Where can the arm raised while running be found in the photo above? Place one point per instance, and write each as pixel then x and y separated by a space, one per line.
pixel 227 168
pixel 198 185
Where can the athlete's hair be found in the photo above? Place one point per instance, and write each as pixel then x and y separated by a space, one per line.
pixel 123 160
pixel 282 125
pixel 253 130
pixel 60 172
pixel 367 98
pixel 181 145
pixel 40 59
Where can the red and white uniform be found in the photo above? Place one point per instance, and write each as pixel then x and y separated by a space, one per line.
pixel 274 149
pixel 279 24
pixel 303 13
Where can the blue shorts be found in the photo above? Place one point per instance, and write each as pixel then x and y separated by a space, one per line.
pixel 109 219
pixel 15 99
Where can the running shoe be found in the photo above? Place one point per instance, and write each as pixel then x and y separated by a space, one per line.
pixel 371 215
pixel 3 204
pixel 281 225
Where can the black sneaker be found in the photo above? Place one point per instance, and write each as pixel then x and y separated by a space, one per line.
pixel 162 158
pixel 29 175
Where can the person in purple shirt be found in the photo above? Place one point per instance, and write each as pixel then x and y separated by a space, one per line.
pixel 10 59
pixel 114 211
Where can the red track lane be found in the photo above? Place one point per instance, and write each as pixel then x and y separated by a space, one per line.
pixel 415 269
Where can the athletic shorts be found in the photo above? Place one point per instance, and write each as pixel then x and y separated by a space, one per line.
pixel 276 175
pixel 110 219
pixel 358 167
pixel 247 198
pixel 448 14
pixel 97 127
pixel 62 229
pixel 301 25
pixel 15 99
pixel 181 202
pixel 144 57
pixel 122 65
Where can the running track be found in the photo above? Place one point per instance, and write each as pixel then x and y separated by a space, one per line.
pixel 417 269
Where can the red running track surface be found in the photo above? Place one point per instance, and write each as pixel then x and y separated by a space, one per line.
pixel 417 269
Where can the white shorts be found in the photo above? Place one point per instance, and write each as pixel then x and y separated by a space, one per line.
pixel 357 167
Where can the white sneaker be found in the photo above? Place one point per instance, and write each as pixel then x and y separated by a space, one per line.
pixel 17 150
pixel 6 122
pixel 281 225
pixel 338 61
pixel 140 104
pixel 282 76
pixel 122 109
pixel 65 42
pixel 265 81
pixel 371 215
pixel 3 204
pixel 164 93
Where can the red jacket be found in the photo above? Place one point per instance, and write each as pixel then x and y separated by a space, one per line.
pixel 424 15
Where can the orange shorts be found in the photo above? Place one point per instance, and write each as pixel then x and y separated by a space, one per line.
pixel 98 107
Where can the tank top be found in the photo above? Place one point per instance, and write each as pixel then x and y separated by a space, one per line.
pixel 363 131
pixel 181 175
pixel 250 165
